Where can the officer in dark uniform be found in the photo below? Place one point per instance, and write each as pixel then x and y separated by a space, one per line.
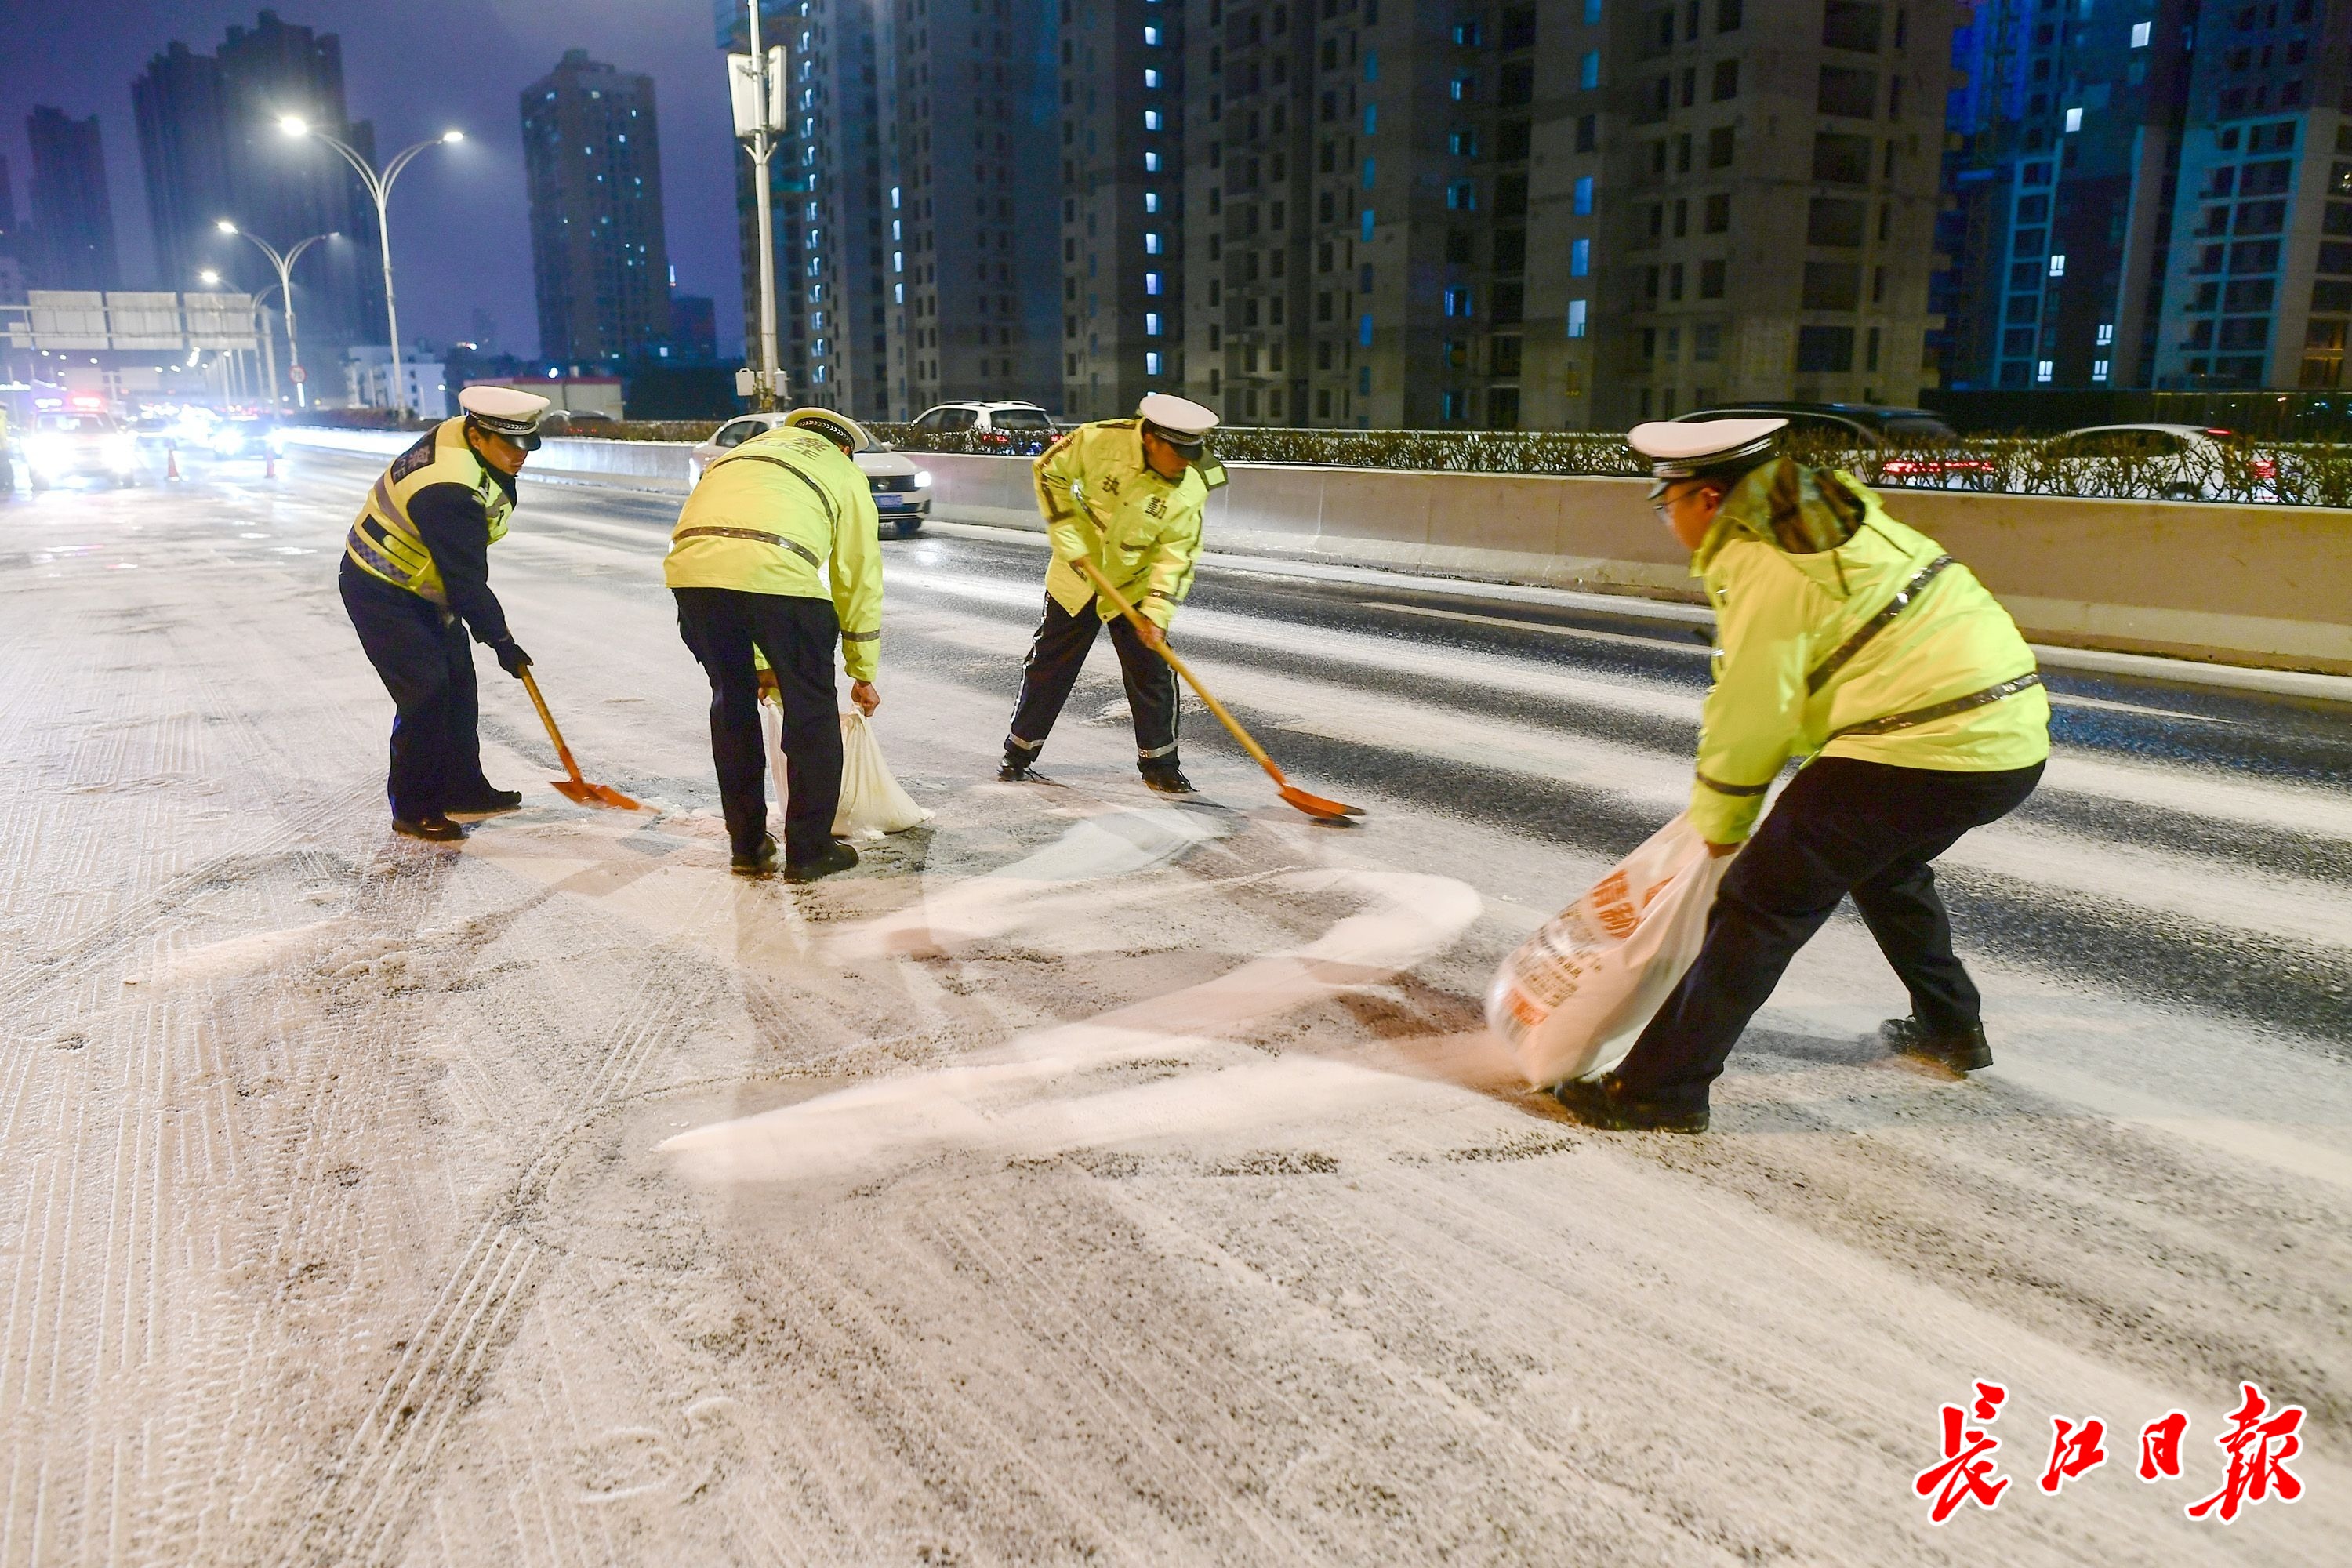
pixel 415 578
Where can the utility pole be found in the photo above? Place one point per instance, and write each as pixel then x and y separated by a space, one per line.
pixel 756 91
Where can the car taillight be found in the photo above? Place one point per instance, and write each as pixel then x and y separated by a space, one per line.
pixel 2265 468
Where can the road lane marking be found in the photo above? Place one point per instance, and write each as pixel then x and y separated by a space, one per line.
pixel 1660 645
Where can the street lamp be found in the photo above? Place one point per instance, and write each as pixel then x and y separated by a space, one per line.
pixel 379 186
pixel 284 262
pixel 756 92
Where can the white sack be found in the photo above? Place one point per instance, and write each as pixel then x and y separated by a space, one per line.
pixel 1571 1000
pixel 871 801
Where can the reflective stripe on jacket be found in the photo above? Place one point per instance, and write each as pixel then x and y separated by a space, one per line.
pixel 1879 647
pixel 384 542
pixel 788 512
pixel 1101 499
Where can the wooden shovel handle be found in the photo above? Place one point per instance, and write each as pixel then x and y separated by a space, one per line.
pixel 1103 586
pixel 553 734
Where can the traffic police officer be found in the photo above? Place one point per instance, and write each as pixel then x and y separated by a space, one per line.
pixel 777 551
pixel 1125 494
pixel 1844 637
pixel 415 578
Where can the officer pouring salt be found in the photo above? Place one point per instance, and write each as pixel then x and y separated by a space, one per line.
pixel 1849 640
pixel 1125 496
pixel 416 581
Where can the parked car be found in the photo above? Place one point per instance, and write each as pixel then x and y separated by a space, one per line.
pixel 1867 427
pixel 1016 427
pixel 2180 462
pixel 901 487
pixel 572 421
pixel 68 444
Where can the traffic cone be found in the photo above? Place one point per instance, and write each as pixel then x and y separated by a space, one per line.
pixel 170 462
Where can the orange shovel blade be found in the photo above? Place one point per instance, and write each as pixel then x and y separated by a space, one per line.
pixel 594 795
pixel 1316 805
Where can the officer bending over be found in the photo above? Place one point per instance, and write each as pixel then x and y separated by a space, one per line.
pixel 777 552
pixel 1847 639
pixel 416 577
pixel 1128 495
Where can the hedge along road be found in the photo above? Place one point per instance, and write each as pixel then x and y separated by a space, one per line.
pixel 1089 1177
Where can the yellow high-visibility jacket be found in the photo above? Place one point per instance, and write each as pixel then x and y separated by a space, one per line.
pixel 788 512
pixel 1840 632
pixel 1102 502
pixel 384 541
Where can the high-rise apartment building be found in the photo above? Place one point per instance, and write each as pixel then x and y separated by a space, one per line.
pixel 592 163
pixel 1123 261
pixel 210 148
pixel 73 219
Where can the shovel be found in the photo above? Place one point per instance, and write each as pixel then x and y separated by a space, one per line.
pixel 576 787
pixel 1314 805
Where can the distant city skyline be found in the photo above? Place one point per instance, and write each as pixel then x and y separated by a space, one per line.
pixel 461 231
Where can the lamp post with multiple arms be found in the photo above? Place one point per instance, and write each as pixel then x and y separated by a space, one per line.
pixel 379 187
pixel 284 262
pixel 757 93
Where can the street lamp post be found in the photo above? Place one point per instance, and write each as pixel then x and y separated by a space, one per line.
pixel 284 262
pixel 269 345
pixel 379 187
pixel 211 279
pixel 756 97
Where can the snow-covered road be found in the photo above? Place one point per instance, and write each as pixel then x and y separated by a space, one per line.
pixel 1089 1177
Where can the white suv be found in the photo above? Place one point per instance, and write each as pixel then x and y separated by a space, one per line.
pixel 1011 424
pixel 902 490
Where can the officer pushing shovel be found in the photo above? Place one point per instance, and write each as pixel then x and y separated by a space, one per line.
pixel 1123 496
pixel 415 579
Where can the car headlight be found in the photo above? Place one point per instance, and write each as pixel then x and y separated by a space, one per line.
pixel 121 451
pixel 47 451
pixel 226 442
pixel 922 478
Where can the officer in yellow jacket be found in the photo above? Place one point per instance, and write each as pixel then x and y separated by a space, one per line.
pixel 775 555
pixel 415 578
pixel 1848 639
pixel 1125 494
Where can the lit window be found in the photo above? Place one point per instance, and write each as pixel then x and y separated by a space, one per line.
pixel 1462 195
pixel 1592 12
pixel 2058 266
pixel 2106 333
pixel 2045 369
pixel 1150 242
pixel 898 291
pixel 1152 201
pixel 1152 283
pixel 1457 302
pixel 1364 330
pixel 2098 370
pixel 2140 31
pixel 1368 173
pixel 2074 119
pixel 894 198
pixel 1580 259
pixel 898 262
pixel 1152 163
pixel 1151 38
pixel 1371 119
pixel 1587 71
pixel 1150 77
pixel 1459 87
pixel 1584 197
pixel 1367 225
pixel 1150 323
pixel 1151 119
pixel 1151 362
pixel 1576 318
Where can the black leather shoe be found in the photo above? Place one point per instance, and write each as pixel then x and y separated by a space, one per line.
pixel 1011 772
pixel 1169 780
pixel 434 829
pixel 1965 1052
pixel 839 856
pixel 758 863
pixel 489 802
pixel 1604 1105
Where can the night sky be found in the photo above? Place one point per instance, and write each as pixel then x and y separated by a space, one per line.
pixel 459 227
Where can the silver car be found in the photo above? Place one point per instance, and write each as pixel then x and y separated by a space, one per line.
pixel 901 487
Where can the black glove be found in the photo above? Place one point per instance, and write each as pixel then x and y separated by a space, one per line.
pixel 512 658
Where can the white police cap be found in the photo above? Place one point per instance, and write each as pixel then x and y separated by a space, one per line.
pixel 1180 421
pixel 1678 449
pixel 827 422
pixel 506 411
